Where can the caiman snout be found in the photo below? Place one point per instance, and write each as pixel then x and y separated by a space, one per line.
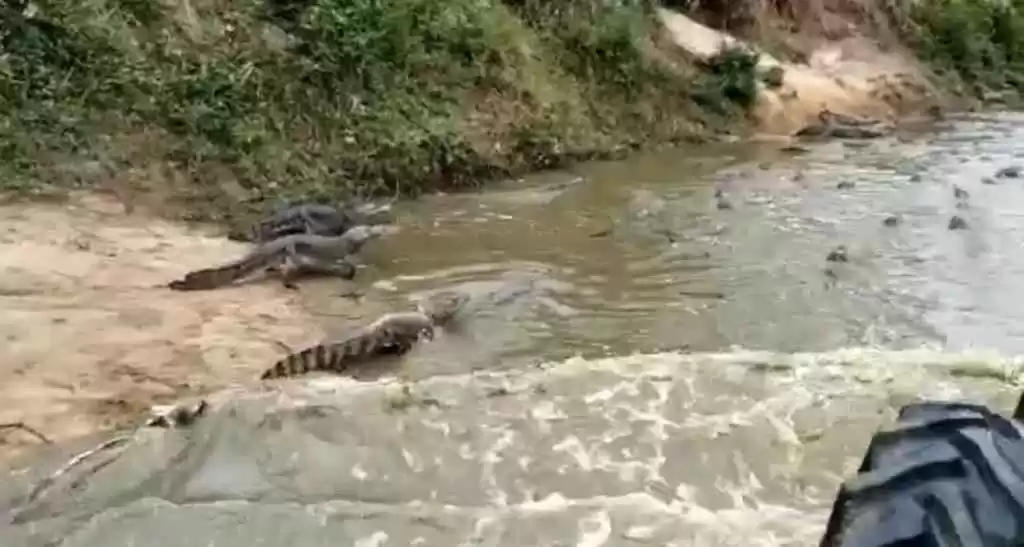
pixel 378 230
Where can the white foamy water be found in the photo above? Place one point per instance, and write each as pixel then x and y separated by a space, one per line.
pixel 740 448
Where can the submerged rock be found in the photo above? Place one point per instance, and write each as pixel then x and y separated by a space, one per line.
pixel 957 222
pixel 1009 172
pixel 795 149
pixel 839 254
pixel 850 132
pixel 721 200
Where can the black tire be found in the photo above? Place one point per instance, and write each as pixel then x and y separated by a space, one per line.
pixel 946 475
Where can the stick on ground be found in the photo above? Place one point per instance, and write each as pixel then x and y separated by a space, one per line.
pixel 110 443
pixel 30 430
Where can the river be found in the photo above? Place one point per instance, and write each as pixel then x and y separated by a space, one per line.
pixel 625 257
pixel 648 368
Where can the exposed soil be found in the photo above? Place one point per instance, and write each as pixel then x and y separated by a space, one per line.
pixel 93 339
pixel 853 75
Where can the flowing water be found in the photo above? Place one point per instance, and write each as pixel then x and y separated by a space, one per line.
pixel 634 256
pixel 650 369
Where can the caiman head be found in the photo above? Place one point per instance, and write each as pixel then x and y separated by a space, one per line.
pixel 442 307
pixel 359 235
pixel 372 213
pixel 826 117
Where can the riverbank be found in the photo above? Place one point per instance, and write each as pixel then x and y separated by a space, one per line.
pixel 92 339
pixel 610 259
pixel 662 297
pixel 204 111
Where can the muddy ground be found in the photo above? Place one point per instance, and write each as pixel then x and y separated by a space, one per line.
pixel 93 339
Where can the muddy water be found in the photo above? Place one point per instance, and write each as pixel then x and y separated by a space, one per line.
pixel 634 256
pixel 769 379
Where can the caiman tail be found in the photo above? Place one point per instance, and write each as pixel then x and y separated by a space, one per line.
pixel 319 357
pixel 212 278
pixel 338 357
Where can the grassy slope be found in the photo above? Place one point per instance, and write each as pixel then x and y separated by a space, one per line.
pixel 218 105
pixel 978 43
pixel 975 46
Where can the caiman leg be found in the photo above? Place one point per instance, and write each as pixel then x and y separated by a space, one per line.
pixel 287 273
pixel 310 224
pixel 403 374
pixel 290 268
pixel 297 265
pixel 329 268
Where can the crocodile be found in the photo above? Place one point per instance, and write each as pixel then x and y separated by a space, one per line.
pixel 393 334
pixel 289 257
pixel 834 125
pixel 313 218
pixel 847 119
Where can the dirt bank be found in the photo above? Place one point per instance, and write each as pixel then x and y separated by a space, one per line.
pixel 91 341
pixel 853 75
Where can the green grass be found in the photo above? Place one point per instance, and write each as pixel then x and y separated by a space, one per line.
pixel 218 106
pixel 980 43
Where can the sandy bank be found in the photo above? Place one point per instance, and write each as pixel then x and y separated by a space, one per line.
pixel 92 340
pixel 852 76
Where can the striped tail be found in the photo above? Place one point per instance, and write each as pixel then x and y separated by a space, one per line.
pixel 212 278
pixel 319 357
pixel 337 357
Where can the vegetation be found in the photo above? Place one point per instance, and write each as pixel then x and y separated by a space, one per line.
pixel 980 42
pixel 217 106
pixel 731 75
